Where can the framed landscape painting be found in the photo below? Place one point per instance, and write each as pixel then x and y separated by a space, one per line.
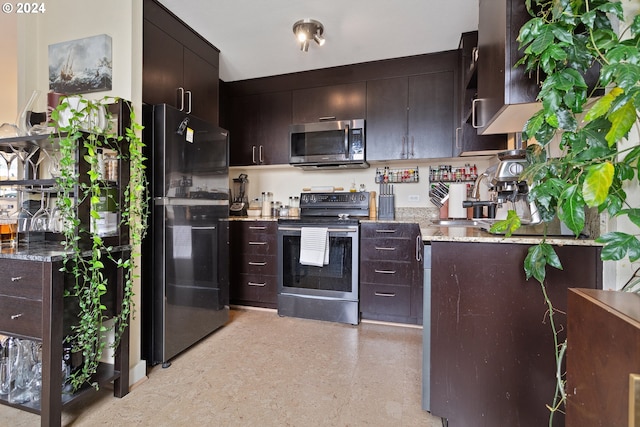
pixel 81 66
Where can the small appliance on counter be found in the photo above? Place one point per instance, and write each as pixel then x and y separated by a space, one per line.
pixel 240 200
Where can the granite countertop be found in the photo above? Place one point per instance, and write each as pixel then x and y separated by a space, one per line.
pixel 433 233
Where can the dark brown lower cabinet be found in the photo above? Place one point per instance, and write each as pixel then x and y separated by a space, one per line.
pixel 603 340
pixel 391 271
pixel 33 306
pixel 492 349
pixel 253 269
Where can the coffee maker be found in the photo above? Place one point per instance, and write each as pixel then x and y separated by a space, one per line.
pixel 506 187
pixel 240 200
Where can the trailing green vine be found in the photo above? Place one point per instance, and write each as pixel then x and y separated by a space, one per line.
pixel 85 249
pixel 563 40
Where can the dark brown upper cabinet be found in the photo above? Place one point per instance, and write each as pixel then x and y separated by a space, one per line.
pixel 506 95
pixel 411 117
pixel 179 67
pixel 467 138
pixel 259 129
pixel 335 102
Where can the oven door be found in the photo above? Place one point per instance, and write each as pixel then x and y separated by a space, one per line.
pixel 329 292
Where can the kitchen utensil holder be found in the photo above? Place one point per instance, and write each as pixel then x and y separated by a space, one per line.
pixel 386 206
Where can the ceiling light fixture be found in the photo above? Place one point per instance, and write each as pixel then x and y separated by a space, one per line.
pixel 307 30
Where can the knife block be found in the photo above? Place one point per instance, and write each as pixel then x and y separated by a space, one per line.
pixel 386 206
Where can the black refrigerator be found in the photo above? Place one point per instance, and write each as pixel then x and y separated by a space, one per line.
pixel 185 256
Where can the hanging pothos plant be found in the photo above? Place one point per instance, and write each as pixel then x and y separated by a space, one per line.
pixel 85 130
pixel 563 40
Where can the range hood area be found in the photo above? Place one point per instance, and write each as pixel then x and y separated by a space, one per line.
pixel 511 118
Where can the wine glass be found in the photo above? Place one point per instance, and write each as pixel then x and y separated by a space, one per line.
pixel 8 158
pixel 40 219
pixel 24 153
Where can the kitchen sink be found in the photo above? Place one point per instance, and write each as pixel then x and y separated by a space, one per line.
pixel 461 223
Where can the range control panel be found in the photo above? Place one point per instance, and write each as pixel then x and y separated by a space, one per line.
pixel 346 199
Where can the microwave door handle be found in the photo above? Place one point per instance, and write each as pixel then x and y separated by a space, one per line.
pixel 346 141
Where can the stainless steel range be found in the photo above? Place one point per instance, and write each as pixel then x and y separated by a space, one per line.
pixel 318 257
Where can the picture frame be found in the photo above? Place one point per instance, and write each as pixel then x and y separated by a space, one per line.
pixel 81 66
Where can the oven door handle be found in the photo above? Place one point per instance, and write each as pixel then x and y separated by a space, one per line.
pixel 330 230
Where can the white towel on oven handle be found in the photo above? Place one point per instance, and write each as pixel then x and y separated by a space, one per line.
pixel 182 244
pixel 314 246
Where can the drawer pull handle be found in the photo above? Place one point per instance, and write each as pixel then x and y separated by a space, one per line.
pixel 385 231
pixel 15 316
pixel 257 227
pixel 378 248
pixel 257 243
pixel 257 284
pixel 15 279
pixel 385 294
pixel 385 271
pixel 261 264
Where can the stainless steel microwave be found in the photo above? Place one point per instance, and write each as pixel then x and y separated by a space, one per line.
pixel 332 144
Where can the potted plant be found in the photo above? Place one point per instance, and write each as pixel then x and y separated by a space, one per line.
pixel 84 129
pixel 598 137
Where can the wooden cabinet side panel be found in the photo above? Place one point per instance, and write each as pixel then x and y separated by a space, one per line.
pixel 603 348
pixel 492 350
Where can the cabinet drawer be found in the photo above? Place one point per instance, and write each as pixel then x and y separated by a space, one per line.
pixel 21 316
pixel 389 229
pixel 259 265
pixel 265 244
pixel 395 273
pixel 21 279
pixel 385 299
pixel 254 288
pixel 394 250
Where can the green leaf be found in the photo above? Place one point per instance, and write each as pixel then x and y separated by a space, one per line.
pixel 621 122
pixel 533 125
pixel 571 210
pixel 617 245
pixel 602 105
pixel 537 259
pixel 508 225
pixel 597 183
pixel 633 215
pixel 566 120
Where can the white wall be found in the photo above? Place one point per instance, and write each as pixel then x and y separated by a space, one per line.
pixel 66 20
pixel 285 181
pixel 9 69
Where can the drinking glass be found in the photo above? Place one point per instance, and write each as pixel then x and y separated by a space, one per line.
pixel 8 157
pixel 24 153
pixel 40 219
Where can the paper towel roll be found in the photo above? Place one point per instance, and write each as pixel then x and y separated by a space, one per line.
pixel 457 195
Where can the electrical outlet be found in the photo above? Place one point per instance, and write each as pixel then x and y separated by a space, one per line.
pixel 414 198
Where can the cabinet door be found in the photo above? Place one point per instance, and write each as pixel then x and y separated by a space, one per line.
pixel 387 101
pixel 243 130
pixel 339 102
pixel 201 83
pixel 273 127
pixel 259 129
pixel 162 59
pixel 432 115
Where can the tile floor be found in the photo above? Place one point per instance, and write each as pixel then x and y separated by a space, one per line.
pixel 265 370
